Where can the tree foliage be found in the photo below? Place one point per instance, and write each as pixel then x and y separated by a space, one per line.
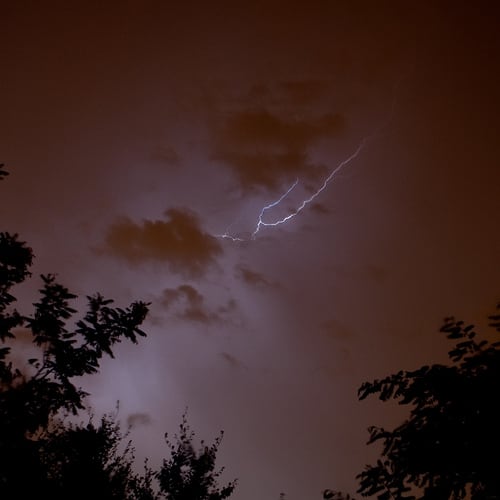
pixel 191 474
pixel 3 172
pixel 448 446
pixel 91 461
pixel 36 447
pixel 41 454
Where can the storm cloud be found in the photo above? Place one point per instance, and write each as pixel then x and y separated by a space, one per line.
pixel 178 241
pixel 189 304
pixel 253 278
pixel 264 148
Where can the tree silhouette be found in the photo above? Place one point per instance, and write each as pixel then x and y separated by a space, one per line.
pixel 43 456
pixel 33 399
pixel 448 448
pixel 335 495
pixel 86 461
pixel 191 474
pixel 3 173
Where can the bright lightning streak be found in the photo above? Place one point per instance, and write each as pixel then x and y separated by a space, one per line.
pixel 260 220
pixel 228 236
pixel 304 203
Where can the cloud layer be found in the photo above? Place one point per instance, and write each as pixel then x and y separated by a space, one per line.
pixel 178 241
pixel 263 148
pixel 189 304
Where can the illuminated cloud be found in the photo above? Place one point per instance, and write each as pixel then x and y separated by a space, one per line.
pixel 264 148
pixel 189 304
pixel 178 241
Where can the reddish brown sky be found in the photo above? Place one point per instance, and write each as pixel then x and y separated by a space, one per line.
pixel 136 132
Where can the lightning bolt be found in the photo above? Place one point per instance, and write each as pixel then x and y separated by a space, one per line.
pixel 305 202
pixel 260 221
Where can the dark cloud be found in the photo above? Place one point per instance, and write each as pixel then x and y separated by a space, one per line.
pixel 252 277
pixel 319 208
pixel 136 419
pixel 261 127
pixel 231 360
pixel 167 155
pixel 23 336
pixel 258 92
pixel 178 241
pixel 191 306
pixel 298 95
pixel 263 148
pixel 193 303
pixel 304 92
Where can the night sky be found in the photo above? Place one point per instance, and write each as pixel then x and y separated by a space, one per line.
pixel 138 133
